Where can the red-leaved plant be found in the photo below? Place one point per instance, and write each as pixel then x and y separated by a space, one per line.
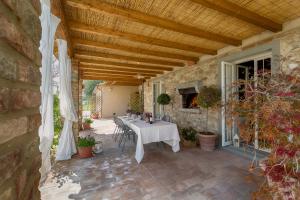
pixel 270 113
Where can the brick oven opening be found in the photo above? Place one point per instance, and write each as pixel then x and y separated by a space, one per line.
pixel 189 96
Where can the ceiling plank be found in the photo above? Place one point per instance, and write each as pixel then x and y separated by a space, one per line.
pixel 63 32
pixel 115 83
pixel 134 15
pixel 109 78
pixel 120 64
pixel 111 75
pixel 118 68
pixel 90 70
pixel 241 13
pixel 128 58
pixel 77 26
pixel 163 54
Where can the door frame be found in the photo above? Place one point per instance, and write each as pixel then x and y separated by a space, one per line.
pixel 153 98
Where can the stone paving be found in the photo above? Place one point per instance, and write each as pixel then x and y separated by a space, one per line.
pixel 187 175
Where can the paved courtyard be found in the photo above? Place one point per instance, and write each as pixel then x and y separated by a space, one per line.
pixel 187 175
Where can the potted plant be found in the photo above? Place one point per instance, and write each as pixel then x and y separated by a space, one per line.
pixel 188 137
pixel 163 99
pixel 85 146
pixel 87 123
pixel 208 97
pixel 95 115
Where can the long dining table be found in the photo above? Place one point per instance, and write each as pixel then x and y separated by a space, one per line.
pixel 158 131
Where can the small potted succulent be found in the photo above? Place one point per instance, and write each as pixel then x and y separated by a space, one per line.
pixel 85 146
pixel 87 123
pixel 208 97
pixel 188 137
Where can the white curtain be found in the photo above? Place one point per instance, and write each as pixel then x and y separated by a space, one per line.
pixel 66 145
pixel 49 25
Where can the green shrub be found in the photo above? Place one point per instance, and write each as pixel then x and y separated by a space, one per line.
pixel 86 141
pixel 188 134
pixel 57 122
pixel 88 121
pixel 163 99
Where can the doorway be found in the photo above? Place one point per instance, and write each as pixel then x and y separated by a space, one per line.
pixel 245 70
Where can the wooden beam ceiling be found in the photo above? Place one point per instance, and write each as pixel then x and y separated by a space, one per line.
pixel 86 73
pixel 83 67
pixel 128 58
pixel 120 79
pixel 163 54
pixel 126 65
pixel 99 71
pixel 77 26
pixel 241 13
pixel 99 6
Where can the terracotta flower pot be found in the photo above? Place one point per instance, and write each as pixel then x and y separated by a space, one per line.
pixel 85 152
pixel 86 126
pixel 95 116
pixel 207 141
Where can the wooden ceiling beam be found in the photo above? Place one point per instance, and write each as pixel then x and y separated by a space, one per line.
pixel 63 31
pixel 77 26
pixel 120 64
pixel 117 68
pixel 241 13
pixel 134 15
pixel 109 78
pixel 99 71
pixel 163 54
pixel 129 58
pixel 111 75
pixel 121 83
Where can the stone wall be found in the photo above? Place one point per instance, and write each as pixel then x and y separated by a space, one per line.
pixel 207 70
pixel 75 94
pixel 20 60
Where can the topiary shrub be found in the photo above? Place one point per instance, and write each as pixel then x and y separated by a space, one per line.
pixel 163 99
pixel 207 98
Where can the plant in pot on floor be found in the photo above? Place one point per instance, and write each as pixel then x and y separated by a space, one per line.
pixel 163 99
pixel 87 123
pixel 208 98
pixel 95 115
pixel 188 137
pixel 85 146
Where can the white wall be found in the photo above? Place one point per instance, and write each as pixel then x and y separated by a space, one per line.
pixel 115 99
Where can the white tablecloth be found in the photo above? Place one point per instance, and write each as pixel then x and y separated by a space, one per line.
pixel 158 131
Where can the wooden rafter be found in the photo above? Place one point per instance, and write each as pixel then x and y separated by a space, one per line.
pixel 63 32
pixel 112 75
pixel 109 78
pixel 120 64
pixel 163 54
pixel 99 71
pixel 128 58
pixel 77 26
pixel 241 13
pixel 117 69
pixel 100 6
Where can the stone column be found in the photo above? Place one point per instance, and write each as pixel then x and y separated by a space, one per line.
pixel 20 98
pixel 75 94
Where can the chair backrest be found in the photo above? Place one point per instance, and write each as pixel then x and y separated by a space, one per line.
pixel 166 118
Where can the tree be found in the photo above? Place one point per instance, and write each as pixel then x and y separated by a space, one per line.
pixel 89 86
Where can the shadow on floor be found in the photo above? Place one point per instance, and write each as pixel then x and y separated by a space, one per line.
pixel 188 174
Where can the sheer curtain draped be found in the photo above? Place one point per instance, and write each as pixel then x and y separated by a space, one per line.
pixel 49 25
pixel 66 146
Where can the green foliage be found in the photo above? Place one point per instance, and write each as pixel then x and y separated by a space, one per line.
pixel 89 86
pixel 86 141
pixel 57 122
pixel 163 99
pixel 135 103
pixel 208 97
pixel 188 134
pixel 88 121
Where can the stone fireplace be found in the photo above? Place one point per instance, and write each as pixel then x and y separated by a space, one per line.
pixel 189 92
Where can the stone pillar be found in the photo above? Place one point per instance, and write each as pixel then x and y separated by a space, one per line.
pixel 80 89
pixel 75 94
pixel 20 98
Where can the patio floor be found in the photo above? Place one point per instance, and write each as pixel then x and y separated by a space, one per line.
pixel 189 174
